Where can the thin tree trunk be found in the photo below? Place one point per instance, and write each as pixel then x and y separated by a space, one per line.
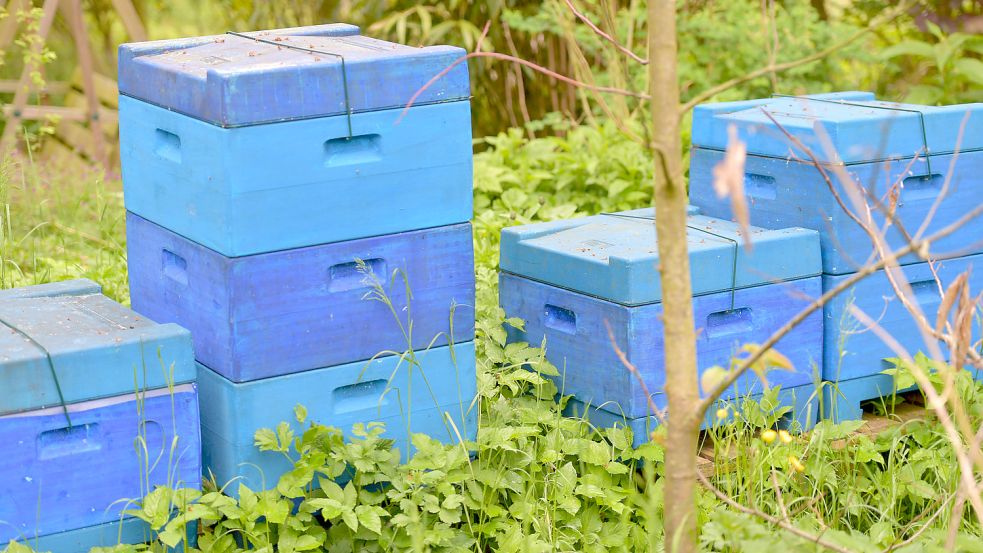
pixel 680 336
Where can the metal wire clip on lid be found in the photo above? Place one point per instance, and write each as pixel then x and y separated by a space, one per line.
pixel 921 119
pixel 344 71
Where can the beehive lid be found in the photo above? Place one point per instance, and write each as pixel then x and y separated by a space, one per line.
pixel 847 127
pixel 615 256
pixel 287 74
pixel 98 348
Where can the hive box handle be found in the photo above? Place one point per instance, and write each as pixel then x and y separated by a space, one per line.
pixel 359 396
pixel 347 276
pixel 65 442
pixel 175 267
pixel 167 145
pixel 731 321
pixel 560 319
pixel 763 187
pixel 926 292
pixel 922 187
pixel 364 148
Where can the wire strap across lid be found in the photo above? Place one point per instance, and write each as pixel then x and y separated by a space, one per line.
pixel 344 71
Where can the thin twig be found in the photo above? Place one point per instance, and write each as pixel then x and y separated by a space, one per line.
pixel 597 30
pixel 520 61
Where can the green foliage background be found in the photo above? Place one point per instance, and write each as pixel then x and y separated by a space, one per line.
pixel 539 481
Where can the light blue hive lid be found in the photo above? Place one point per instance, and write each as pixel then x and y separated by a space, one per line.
pixel 848 127
pixel 615 256
pixel 231 80
pixel 98 348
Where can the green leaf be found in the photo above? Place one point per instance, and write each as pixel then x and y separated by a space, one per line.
pixel 970 68
pixel 351 520
pixel 300 413
pixel 915 48
pixel 370 517
pixel 712 378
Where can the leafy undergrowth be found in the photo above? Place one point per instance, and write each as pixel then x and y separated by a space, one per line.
pixel 533 480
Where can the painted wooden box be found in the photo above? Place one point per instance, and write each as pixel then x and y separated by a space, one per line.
pixel 853 352
pixel 69 336
pixel 290 138
pixel 572 280
pixel 65 473
pixel 879 146
pixel 433 396
pixel 290 311
pixel 84 381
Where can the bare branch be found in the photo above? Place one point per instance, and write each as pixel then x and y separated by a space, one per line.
pixel 777 68
pixel 520 61
pixel 597 30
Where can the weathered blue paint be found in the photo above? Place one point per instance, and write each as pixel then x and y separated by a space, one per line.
pixel 127 530
pixel 784 193
pixel 249 190
pixel 575 327
pixel 232 81
pixel 615 256
pixel 272 314
pixel 853 351
pixel 802 400
pixel 848 127
pixel 882 150
pixel 385 390
pixel 55 477
pixel 98 348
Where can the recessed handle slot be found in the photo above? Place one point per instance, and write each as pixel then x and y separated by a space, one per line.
pixel 168 145
pixel 560 319
pixel 175 267
pixel 348 276
pixel 726 323
pixel 761 187
pixel 926 292
pixel 360 396
pixel 357 149
pixel 922 187
pixel 65 442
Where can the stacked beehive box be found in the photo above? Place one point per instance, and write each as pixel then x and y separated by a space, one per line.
pixel 573 280
pixel 270 179
pixel 879 148
pixel 98 405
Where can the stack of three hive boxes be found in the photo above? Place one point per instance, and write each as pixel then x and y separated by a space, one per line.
pixel 300 200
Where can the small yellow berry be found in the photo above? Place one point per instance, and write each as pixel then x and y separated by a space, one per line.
pixel 796 465
pixel 768 436
pixel 785 437
pixel 722 413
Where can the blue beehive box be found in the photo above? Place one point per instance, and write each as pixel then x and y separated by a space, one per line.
pixel 435 397
pixel 295 137
pixel 855 356
pixel 123 380
pixel 879 144
pixel 284 312
pixel 571 280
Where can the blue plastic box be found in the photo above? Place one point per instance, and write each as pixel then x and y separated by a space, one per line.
pixel 571 280
pixel 97 348
pixel 435 398
pixel 877 144
pixel 250 146
pixel 853 351
pixel 272 314
pixel 57 477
